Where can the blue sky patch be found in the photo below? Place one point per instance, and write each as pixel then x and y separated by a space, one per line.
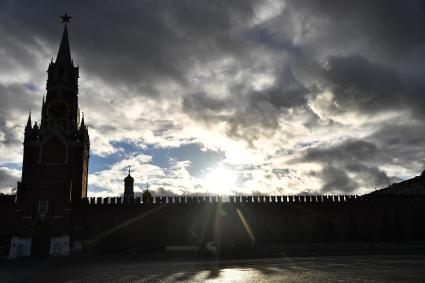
pixel 161 157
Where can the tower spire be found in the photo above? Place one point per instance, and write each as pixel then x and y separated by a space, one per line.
pixel 64 53
pixel 28 127
pixel 82 122
pixel 62 75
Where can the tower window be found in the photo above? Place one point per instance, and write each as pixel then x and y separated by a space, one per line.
pixel 43 206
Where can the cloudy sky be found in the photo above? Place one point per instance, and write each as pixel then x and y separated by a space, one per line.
pixel 206 97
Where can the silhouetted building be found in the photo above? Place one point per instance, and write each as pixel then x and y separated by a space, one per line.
pixel 55 164
pixel 415 185
pixel 128 187
pixel 147 196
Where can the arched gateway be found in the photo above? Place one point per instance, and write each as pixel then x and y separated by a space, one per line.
pixel 41 239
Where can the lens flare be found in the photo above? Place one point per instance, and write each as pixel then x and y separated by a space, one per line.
pixel 220 180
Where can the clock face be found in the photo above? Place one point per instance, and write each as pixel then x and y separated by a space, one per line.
pixel 57 110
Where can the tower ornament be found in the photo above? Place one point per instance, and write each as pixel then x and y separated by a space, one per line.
pixel 65 18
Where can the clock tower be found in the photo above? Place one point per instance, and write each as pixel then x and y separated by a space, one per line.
pixel 55 166
pixel 57 150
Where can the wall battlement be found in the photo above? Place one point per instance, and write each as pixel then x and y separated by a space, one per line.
pixel 275 199
pixel 283 199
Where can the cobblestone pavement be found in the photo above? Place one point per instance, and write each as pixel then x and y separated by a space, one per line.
pixel 365 268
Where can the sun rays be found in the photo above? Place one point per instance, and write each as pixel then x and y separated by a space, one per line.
pixel 220 180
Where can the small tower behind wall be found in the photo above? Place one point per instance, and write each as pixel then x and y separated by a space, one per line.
pixel 128 187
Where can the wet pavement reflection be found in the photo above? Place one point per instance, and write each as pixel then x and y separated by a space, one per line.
pixel 360 268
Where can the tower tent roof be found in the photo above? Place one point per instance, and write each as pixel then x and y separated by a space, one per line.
pixel 28 126
pixel 64 53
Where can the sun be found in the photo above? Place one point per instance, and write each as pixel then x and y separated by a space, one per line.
pixel 220 180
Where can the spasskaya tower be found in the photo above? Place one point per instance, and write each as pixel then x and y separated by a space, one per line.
pixel 55 166
pixel 57 150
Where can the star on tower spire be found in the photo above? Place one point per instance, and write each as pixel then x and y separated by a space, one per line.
pixel 64 53
pixel 65 18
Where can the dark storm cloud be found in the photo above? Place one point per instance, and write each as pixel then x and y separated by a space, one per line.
pixel 15 99
pixel 361 81
pixel 249 114
pixel 348 151
pixel 246 119
pixel 371 174
pixel 375 65
pixel 336 180
pixel 135 43
pixel 9 134
pixel 286 93
pixel 205 107
pixel 139 45
pixel 393 27
pixel 360 84
pixel 358 157
pixel 396 145
pixel 146 42
pixel 154 40
pixel 402 145
pixel 380 47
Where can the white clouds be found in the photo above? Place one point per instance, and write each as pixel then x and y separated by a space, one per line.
pixel 267 10
pixel 8 179
pixel 265 83
pixel 175 179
